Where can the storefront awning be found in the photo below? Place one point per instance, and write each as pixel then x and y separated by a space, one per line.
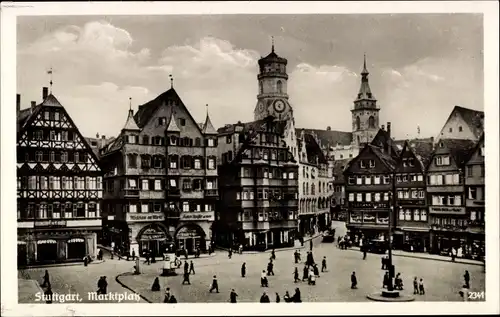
pixel 46 241
pixel 410 229
pixel 76 240
pixel 21 242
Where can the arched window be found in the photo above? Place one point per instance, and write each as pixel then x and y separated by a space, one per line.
pixel 261 87
pixel 279 85
pixel 371 122
pixel 358 123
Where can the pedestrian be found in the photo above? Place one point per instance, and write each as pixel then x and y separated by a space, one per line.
pixel 264 298
pixel 243 269
pixel 421 287
pixel 156 285
pixel 198 252
pixel 240 248
pixel 230 253
pixel 270 267
pixel 385 281
pixel 354 281
pixel 263 279
pixel 166 298
pixel 215 285
pixel 191 267
pixel 311 244
pixel 186 278
pixel 296 275
pixel 153 256
pixel 467 279
pixel 287 298
pixel 364 252
pixel 323 264
pixel 172 300
pixel 464 293
pixel 186 267
pixel 273 254
pixel 277 298
pixel 383 263
pixel 296 257
pixel 398 281
pixel 316 270
pixel 296 297
pixel 305 273
pixel 232 296
pixel 46 279
pixel 133 255
pixel 48 294
pixel 185 253
pixel 415 286
pixel 453 254
pixel 102 285
pixel 85 261
pixel 148 260
pixel 312 279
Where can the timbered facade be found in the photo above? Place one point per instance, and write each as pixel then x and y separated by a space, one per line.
pixel 161 179
pixel 59 186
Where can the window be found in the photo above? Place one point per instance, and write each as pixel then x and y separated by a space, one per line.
pixel 68 210
pixel 401 215
pixel 460 129
pixel 358 124
pixel 39 156
pixel 405 178
pixel 386 196
pixel 423 215
pixel 145 161
pixel 279 85
pixel 42 211
pixel 132 184
pixel 56 116
pixel 173 161
pixel 145 208
pixel 132 208
pixel 481 150
pixel 359 180
pixel 182 121
pixel 145 140
pixel 372 163
pixel 145 184
pixel 173 183
pixel 173 140
pixel 359 197
pixel 470 171
pixel 472 193
pixel 420 178
pixel 450 129
pixel 132 160
pixel 46 115
pixel 351 196
pixel 157 184
pixel 185 206
pixel 350 180
pixel 197 164
pixel 416 215
pixel 371 122
pixel 387 179
pixel 162 121
pixel 131 139
pixel 158 162
pixel 362 164
pixel 408 214
pixel 368 180
pixel 376 180
pixel 291 175
pixel 421 194
pixel 211 164
pixel 368 197
pixel 228 139
pixel 56 211
pixel 211 142
pixel 377 197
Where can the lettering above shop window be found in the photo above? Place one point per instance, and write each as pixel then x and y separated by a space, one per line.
pixel 205 216
pixel 145 217
pixel 51 223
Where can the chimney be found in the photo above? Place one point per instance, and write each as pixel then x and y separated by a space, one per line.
pixel 33 105
pixel 389 129
pixel 433 144
pixel 18 103
pixel 45 93
pixel 383 127
pixel 103 137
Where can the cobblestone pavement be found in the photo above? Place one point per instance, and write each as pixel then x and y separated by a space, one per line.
pixel 443 280
pixel 78 279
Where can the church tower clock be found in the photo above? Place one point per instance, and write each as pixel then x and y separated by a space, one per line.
pixel 272 99
pixel 365 114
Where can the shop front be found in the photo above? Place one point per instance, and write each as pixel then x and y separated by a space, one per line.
pixel 441 241
pixel 191 237
pixel 154 239
pixel 415 240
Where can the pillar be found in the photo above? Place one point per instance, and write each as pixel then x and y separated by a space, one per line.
pixel 62 248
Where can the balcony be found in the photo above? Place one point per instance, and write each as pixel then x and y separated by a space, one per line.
pixel 211 193
pixel 131 193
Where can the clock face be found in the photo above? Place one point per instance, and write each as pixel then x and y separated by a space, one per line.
pixel 279 106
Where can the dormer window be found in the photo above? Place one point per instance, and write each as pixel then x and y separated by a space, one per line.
pixel 460 129
pixel 411 161
pixel 441 144
pixel 182 121
pixel 372 163
pixel 131 139
pixel 211 142
pixel 162 121
pixel 362 164
pixel 173 140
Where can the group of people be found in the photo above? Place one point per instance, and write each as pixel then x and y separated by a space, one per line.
pixel 265 298
pixel 343 242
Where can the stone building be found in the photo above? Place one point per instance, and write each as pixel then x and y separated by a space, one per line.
pixel 338 202
pixel 446 194
pixel 161 179
pixel 475 200
pixel 59 186
pixel 463 124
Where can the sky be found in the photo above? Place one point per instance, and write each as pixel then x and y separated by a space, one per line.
pixel 421 65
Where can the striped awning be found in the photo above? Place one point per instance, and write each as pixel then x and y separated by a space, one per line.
pixel 50 241
pixel 21 242
pixel 76 240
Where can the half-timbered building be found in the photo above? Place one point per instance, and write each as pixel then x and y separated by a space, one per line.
pixel 59 186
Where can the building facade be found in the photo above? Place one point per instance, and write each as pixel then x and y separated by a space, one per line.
pixel 463 124
pixel 475 201
pixel 161 179
pixel 59 186
pixel 370 188
pixel 338 202
pixel 258 179
pixel 446 194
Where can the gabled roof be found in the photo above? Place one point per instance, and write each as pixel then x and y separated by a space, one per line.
pixel 51 101
pixel 172 125
pixel 473 118
pixel 338 170
pixel 388 160
pixel 130 124
pixel 460 150
pixel 147 110
pixel 479 143
pixel 208 128
pixel 382 139
pixel 314 151
pixel 328 137
pixel 257 125
pixel 421 149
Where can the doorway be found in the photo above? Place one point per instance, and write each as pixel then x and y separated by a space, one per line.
pixel 76 248
pixel 46 250
pixel 22 258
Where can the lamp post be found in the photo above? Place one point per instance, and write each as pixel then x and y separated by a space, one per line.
pixel 390 286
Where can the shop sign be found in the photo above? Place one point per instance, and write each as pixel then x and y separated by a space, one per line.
pixel 447 210
pixel 152 234
pixel 203 216
pixel 145 217
pixel 187 233
pixel 51 223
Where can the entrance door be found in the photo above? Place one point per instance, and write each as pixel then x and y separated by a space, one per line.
pixel 76 249
pixel 46 251
pixel 22 259
pixel 189 243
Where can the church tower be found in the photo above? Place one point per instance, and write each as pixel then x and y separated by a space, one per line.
pixel 272 99
pixel 365 114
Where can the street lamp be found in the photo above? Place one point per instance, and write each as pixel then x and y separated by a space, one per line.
pixel 392 194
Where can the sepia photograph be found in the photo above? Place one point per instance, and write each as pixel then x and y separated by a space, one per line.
pixel 249 157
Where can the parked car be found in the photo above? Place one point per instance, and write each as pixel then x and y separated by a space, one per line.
pixel 329 236
pixel 377 246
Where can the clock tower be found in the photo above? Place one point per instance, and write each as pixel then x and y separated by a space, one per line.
pixel 272 99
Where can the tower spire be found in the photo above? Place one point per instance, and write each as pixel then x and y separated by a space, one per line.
pixel 365 70
pixel 49 72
